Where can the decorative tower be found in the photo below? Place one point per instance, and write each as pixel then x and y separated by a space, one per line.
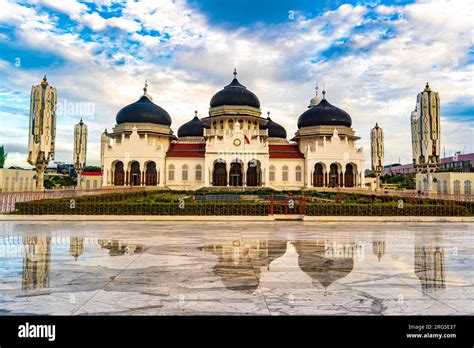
pixel 377 151
pixel 104 142
pixel 80 149
pixel 42 130
pixel 425 134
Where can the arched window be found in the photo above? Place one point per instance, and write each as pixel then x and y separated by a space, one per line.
pixel 171 172
pixel 94 184
pixel 438 187
pixel 184 172
pixel 88 184
pixel 457 187
pixel 467 187
pixel 445 187
pixel 198 172
pixel 298 173
pixel 231 124
pixel 272 173
pixel 284 174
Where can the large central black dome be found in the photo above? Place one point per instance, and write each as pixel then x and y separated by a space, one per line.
pixel 235 94
pixel 143 111
pixel 324 114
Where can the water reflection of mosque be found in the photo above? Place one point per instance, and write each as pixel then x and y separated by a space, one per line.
pixel 240 263
pixel 36 262
pixel 430 268
pixel 37 256
pixel 118 247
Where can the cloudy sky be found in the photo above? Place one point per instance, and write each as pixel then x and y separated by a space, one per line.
pixel 372 57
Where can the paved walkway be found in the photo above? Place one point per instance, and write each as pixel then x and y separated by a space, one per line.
pixel 254 268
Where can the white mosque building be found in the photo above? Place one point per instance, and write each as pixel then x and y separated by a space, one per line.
pixel 232 146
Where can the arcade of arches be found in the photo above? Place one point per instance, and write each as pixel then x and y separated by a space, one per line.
pixel 335 176
pixel 236 173
pixel 134 175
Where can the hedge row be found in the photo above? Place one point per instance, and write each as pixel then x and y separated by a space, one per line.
pixel 123 208
pixel 62 207
pixel 380 209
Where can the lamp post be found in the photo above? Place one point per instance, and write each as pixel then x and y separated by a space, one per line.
pixel 42 128
pixel 425 133
pixel 80 149
pixel 377 151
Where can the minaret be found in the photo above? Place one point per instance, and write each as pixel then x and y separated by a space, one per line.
pixel 377 151
pixel 80 149
pixel 425 131
pixel 104 142
pixel 42 129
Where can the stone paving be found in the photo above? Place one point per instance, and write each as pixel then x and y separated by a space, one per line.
pixel 236 268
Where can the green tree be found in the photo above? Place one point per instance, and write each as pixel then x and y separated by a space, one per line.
pixel 3 156
pixel 93 169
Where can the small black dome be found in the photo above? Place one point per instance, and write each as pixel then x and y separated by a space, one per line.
pixel 143 111
pixel 275 130
pixel 235 94
pixel 324 114
pixel 193 128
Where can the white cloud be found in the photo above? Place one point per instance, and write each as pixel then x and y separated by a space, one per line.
pixel 276 62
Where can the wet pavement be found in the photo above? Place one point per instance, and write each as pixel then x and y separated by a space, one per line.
pixel 236 268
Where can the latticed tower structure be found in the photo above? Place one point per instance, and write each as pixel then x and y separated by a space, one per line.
pixel 377 151
pixel 80 149
pixel 42 128
pixel 425 133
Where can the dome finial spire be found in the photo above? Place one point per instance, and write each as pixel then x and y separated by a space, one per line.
pixel 324 94
pixel 145 89
pixel 268 113
pixel 235 73
pixel 44 83
pixel 317 89
pixel 427 87
pixel 195 113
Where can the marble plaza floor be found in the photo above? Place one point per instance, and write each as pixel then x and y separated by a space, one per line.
pixel 236 268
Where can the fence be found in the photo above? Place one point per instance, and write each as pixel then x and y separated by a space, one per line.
pixel 141 202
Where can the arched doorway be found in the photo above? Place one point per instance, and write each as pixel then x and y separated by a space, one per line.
pixel 135 174
pixel 151 176
pixel 254 173
pixel 318 175
pixel 219 175
pixel 235 174
pixel 349 176
pixel 334 176
pixel 119 174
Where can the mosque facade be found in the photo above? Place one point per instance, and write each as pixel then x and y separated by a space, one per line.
pixel 234 145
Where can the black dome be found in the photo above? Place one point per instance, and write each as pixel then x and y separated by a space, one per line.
pixel 274 129
pixel 143 111
pixel 324 114
pixel 193 128
pixel 235 94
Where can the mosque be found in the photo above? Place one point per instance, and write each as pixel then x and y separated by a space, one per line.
pixel 232 146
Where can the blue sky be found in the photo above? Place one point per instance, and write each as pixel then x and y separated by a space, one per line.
pixel 372 57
